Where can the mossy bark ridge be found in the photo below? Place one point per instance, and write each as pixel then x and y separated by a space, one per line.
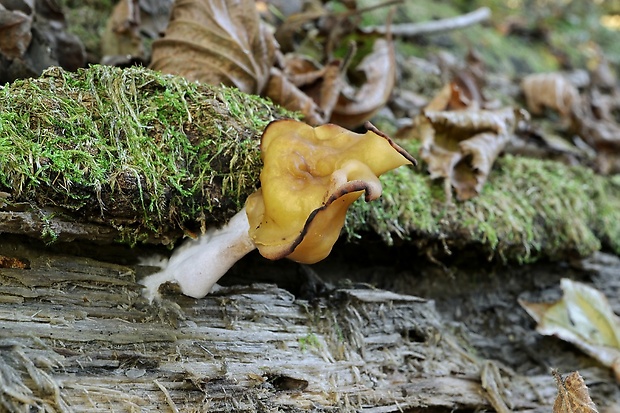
pixel 149 154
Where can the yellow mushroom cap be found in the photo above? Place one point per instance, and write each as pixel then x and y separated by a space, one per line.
pixel 309 178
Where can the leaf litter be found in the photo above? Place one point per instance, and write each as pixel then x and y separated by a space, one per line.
pixel 227 42
pixel 584 318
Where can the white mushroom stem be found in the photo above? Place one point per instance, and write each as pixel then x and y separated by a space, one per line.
pixel 199 263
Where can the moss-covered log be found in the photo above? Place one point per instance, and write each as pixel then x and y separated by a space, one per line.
pixel 132 155
pixel 77 335
pixel 528 209
pixel 147 154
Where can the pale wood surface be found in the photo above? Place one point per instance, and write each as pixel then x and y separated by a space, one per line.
pixel 76 335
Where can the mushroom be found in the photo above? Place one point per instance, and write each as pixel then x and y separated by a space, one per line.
pixel 309 179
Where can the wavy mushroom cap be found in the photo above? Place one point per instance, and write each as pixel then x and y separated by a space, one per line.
pixel 309 178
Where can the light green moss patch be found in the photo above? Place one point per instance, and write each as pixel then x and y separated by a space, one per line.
pixel 528 209
pixel 141 150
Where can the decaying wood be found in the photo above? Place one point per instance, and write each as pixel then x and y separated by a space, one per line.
pixel 76 335
pixel 44 223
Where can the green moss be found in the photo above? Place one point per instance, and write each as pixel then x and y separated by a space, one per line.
pixel 310 341
pixel 142 150
pixel 528 209
pixel 407 12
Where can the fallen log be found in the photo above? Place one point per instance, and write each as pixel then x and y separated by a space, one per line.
pixel 136 157
pixel 76 335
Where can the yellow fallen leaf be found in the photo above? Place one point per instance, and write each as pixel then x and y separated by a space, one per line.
pixel 584 318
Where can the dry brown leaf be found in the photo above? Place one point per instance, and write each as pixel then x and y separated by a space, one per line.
pixel 573 395
pixel 33 37
pixel 479 153
pixel 323 78
pixel 327 91
pixel 284 93
pixel 441 100
pixel 601 73
pixel 379 69
pixel 466 92
pixel 305 86
pixel 330 89
pixel 604 137
pixel 217 42
pixel 549 90
pixel 154 17
pixel 301 70
pixel 462 146
pixel 459 94
pixel 594 122
pixel 288 31
pixel 131 28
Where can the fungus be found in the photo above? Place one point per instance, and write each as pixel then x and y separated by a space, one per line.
pixel 309 179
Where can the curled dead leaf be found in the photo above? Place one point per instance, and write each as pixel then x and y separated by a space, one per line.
pixel 289 30
pixel 284 93
pixel 549 90
pixel 217 42
pixel 604 137
pixel 314 42
pixel 573 395
pixel 594 122
pixel 15 30
pixel 301 70
pixel 355 106
pixel 322 84
pixel 122 32
pixel 461 146
pixel 33 37
pixel 131 28
pixel 453 97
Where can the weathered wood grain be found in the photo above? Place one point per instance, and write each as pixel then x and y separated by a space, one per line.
pixel 76 335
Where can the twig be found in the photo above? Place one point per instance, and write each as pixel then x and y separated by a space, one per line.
pixel 435 26
pixel 169 400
